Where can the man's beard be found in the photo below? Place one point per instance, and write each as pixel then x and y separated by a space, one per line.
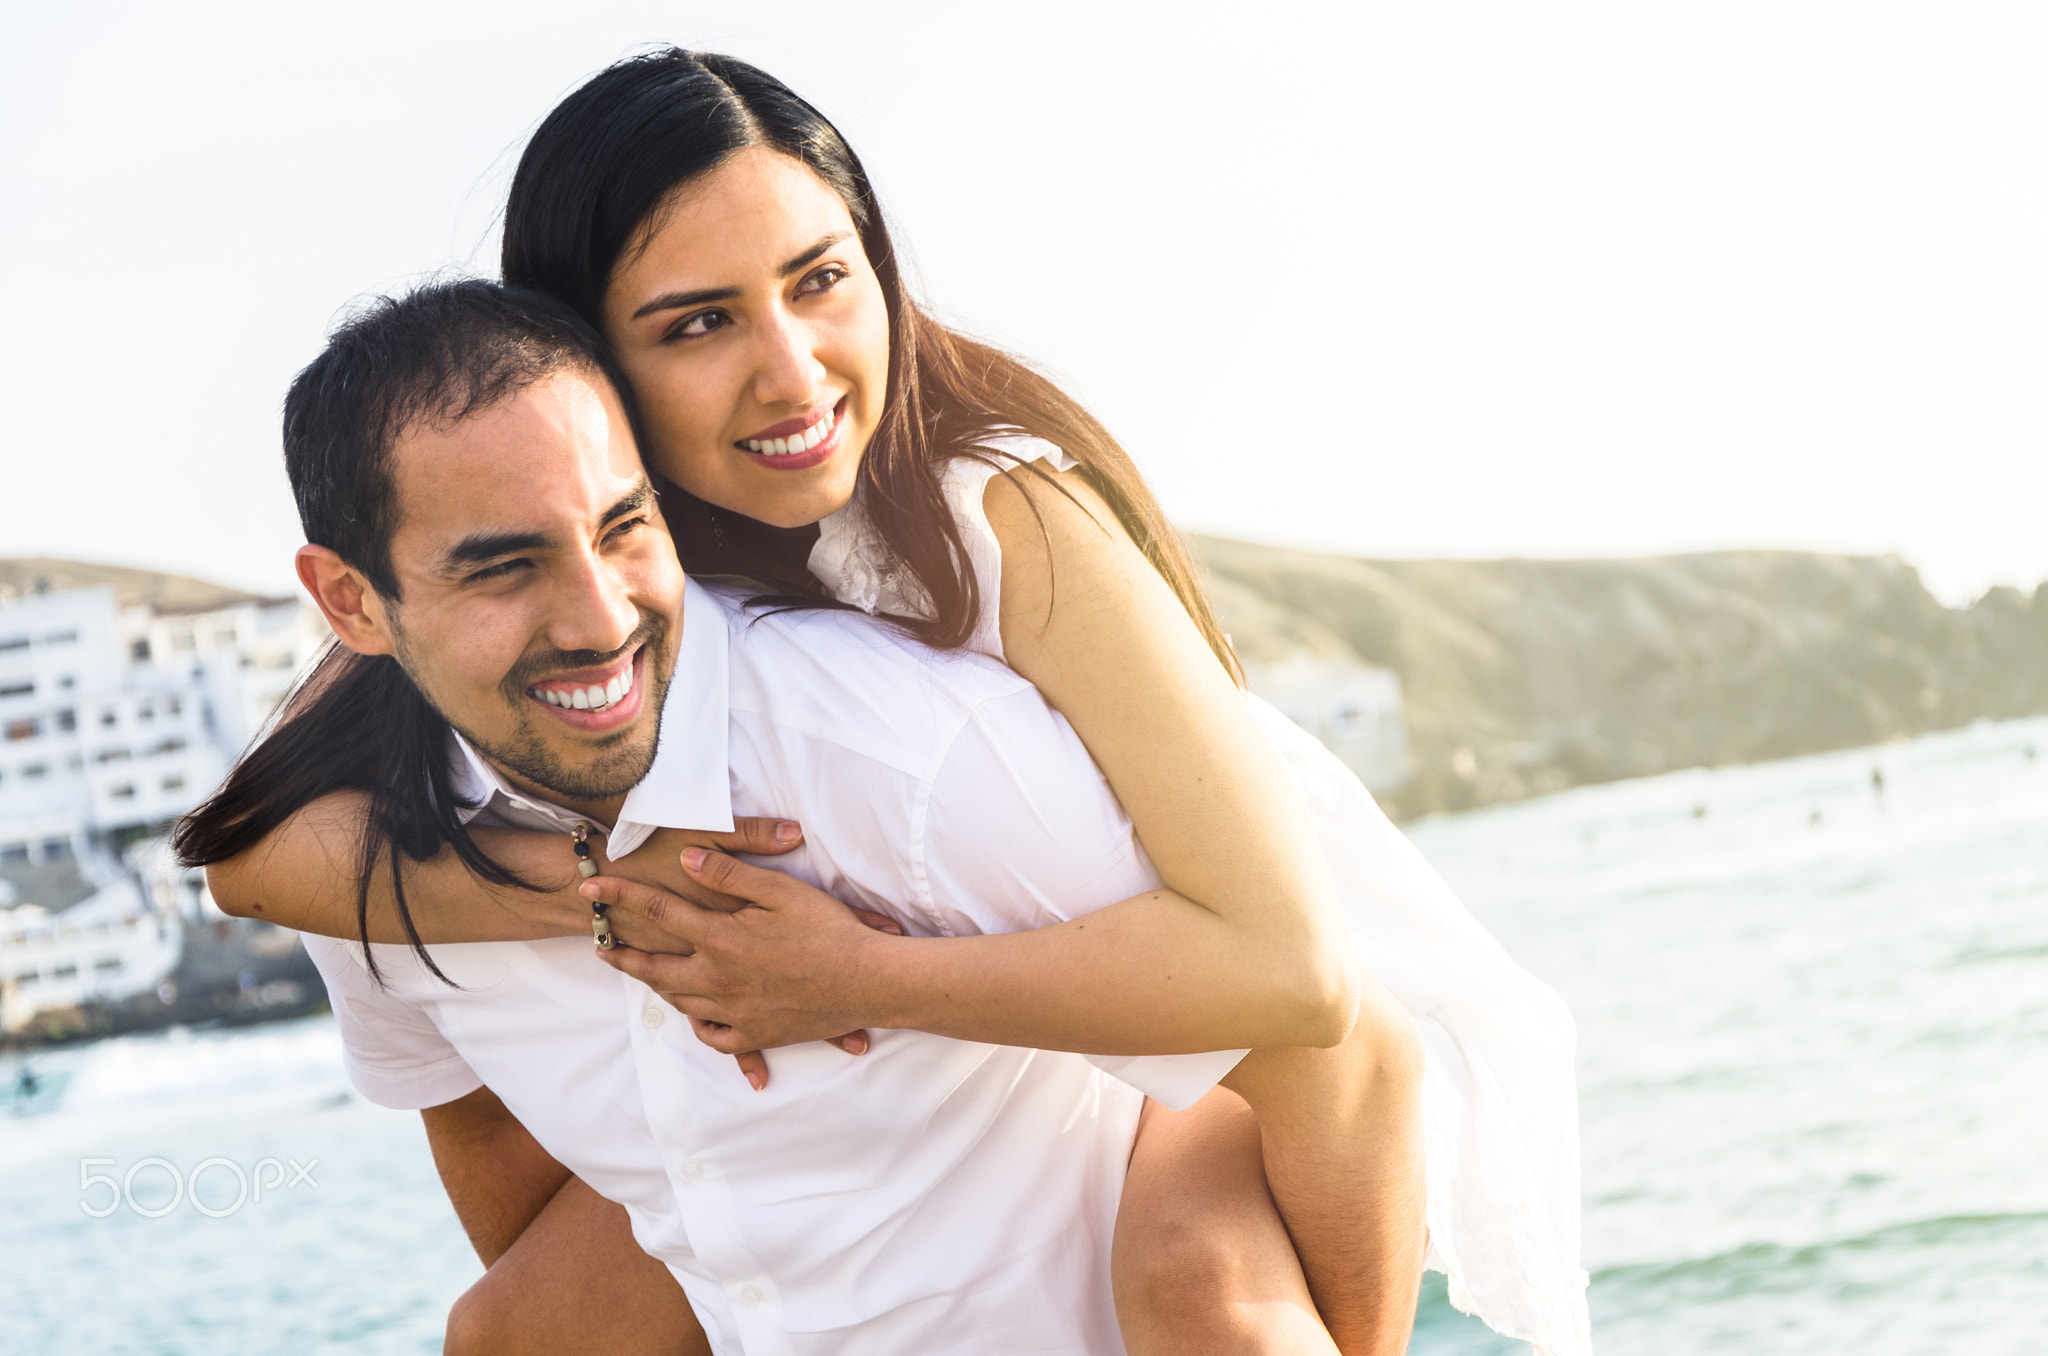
pixel 623 759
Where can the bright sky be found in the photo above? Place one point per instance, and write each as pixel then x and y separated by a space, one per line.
pixel 1437 278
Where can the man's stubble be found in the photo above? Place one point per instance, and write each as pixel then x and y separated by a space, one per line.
pixel 624 758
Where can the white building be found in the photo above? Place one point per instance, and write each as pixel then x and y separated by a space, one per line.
pixel 1353 708
pixel 114 721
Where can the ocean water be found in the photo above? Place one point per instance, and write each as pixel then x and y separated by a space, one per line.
pixel 1813 1067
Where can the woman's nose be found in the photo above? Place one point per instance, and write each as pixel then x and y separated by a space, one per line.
pixel 789 372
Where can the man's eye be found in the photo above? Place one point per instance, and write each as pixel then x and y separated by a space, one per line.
pixel 502 570
pixel 699 323
pixel 624 528
pixel 823 279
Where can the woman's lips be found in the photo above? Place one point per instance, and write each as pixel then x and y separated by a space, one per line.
pixel 807 453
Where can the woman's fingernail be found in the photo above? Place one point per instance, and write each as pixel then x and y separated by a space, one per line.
pixel 757 1080
pixel 857 1045
pixel 787 833
pixel 693 858
pixel 892 929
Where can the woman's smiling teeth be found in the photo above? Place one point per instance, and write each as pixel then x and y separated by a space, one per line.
pixel 795 442
pixel 591 698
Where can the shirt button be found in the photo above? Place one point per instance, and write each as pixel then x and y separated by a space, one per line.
pixel 652 1016
pixel 751 1295
pixel 693 1171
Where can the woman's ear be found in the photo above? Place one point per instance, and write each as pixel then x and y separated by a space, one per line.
pixel 352 608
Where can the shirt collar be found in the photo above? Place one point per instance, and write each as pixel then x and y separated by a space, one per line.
pixel 688 786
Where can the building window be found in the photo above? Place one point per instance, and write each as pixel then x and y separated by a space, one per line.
pixel 67 721
pixel 145 711
pixel 14 854
pixel 23 729
pixel 36 770
pixel 172 706
pixel 125 791
pixel 139 651
pixel 56 849
pixel 18 688
pixel 172 745
pixel 112 756
pixel 174 783
pixel 107 965
pixel 68 970
pixel 67 682
pixel 13 643
pixel 60 638
pixel 108 717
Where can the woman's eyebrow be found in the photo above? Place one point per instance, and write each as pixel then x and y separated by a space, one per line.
pixel 810 256
pixel 677 301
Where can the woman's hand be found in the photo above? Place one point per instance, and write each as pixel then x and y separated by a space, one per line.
pixel 764 960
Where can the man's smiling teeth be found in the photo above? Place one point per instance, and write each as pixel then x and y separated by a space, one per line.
pixel 796 442
pixel 592 698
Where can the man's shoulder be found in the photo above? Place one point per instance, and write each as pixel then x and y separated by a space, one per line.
pixel 850 679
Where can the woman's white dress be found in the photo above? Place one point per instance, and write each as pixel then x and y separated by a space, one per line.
pixel 1500 1104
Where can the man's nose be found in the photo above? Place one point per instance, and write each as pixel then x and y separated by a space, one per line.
pixel 594 608
pixel 788 371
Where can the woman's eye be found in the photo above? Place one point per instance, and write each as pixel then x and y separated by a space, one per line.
pixel 823 279
pixel 703 322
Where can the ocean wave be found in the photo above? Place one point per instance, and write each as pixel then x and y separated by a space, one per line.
pixel 1756 1267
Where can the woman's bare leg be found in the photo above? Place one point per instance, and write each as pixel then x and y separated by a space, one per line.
pixel 1340 1137
pixel 575 1284
pixel 1201 1261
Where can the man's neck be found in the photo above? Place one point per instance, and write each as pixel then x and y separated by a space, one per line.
pixel 603 812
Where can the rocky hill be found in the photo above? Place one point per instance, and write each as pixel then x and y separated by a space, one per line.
pixel 1523 676
pixel 164 592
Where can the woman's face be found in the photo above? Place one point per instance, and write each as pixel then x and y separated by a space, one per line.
pixel 755 335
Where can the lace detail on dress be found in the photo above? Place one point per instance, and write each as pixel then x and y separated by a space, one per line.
pixel 850 560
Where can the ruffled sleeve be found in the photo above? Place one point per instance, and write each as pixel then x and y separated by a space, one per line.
pixel 852 563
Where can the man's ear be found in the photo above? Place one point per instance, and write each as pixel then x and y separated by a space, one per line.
pixel 346 599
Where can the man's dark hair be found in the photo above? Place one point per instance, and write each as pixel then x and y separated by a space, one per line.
pixel 357 722
pixel 435 356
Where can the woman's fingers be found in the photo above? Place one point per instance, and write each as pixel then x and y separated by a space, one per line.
pixel 752 833
pixel 671 913
pixel 753 1064
pixel 880 922
pixel 853 1042
pixel 730 876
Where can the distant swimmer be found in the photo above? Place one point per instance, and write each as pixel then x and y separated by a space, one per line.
pixel 1877 785
pixel 25 1083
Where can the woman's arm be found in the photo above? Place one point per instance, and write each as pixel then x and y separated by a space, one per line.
pixel 1246 949
pixel 303 876
pixel 1091 623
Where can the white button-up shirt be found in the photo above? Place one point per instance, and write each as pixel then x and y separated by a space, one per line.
pixel 929 1196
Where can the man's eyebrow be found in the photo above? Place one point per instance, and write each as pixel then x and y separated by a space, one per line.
pixel 639 497
pixel 681 301
pixel 479 547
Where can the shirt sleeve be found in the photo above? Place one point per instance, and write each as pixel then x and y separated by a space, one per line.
pixel 1020 830
pixel 394 1054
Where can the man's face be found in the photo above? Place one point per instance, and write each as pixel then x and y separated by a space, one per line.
pixel 540 591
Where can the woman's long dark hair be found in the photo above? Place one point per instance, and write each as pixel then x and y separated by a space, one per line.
pixel 594 180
